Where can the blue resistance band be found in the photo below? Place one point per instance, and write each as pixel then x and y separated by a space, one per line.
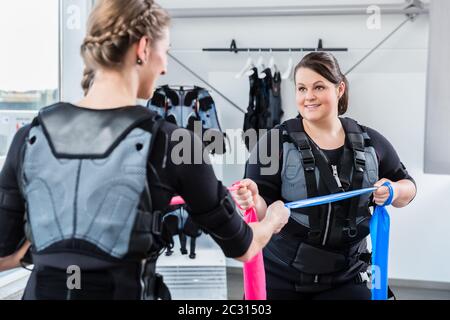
pixel 379 233
pixel 328 199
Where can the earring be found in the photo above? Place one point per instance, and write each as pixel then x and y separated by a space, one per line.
pixel 139 61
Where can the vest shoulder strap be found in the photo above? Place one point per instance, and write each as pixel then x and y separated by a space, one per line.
pixel 88 133
pixel 171 95
pixel 293 125
pixel 191 95
pixel 159 99
pixel 297 136
pixel 351 127
pixel 358 139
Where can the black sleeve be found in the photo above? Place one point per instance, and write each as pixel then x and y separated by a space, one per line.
pixel 389 164
pixel 195 181
pixel 264 166
pixel 12 204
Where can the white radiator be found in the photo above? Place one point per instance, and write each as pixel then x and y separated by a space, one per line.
pixel 202 278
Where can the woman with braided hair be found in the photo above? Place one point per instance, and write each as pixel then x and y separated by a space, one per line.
pixel 86 184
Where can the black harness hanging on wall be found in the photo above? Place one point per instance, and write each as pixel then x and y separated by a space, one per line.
pixel 188 108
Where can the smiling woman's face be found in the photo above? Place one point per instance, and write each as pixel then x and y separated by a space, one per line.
pixel 316 97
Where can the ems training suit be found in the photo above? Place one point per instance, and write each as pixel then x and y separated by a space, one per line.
pixel 321 253
pixel 185 107
pixel 264 109
pixel 88 189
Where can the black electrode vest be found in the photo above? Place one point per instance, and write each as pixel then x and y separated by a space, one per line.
pixel 84 180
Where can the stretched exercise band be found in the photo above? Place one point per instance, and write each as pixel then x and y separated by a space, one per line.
pixel 254 275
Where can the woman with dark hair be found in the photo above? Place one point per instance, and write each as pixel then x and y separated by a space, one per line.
pixel 87 184
pixel 322 253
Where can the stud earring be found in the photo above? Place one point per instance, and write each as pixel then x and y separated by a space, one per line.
pixel 139 61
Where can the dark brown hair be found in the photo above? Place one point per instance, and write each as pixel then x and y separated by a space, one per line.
pixel 326 65
pixel 113 27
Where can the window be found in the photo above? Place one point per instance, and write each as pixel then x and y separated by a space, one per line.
pixel 29 62
pixel 29 55
pixel 29 80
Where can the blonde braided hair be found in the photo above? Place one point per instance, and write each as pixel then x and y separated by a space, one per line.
pixel 113 27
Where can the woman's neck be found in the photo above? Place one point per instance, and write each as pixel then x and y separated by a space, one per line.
pixel 327 134
pixel 328 126
pixel 111 89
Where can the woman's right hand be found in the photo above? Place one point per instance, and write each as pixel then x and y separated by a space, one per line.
pixel 247 194
pixel 277 215
pixel 276 218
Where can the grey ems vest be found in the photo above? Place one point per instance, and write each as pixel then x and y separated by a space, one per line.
pixel 327 239
pixel 186 107
pixel 84 179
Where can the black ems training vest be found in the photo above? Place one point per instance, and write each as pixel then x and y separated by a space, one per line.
pixel 186 107
pixel 325 244
pixel 84 180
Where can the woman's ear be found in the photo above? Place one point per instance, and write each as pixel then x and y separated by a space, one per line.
pixel 143 50
pixel 341 89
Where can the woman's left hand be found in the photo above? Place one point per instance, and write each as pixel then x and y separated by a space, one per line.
pixel 13 261
pixel 382 194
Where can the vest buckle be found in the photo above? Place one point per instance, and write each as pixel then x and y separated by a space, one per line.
pixel 157 223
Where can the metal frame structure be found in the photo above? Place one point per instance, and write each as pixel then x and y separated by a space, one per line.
pixel 409 7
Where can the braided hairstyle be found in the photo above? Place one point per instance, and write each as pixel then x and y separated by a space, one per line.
pixel 113 27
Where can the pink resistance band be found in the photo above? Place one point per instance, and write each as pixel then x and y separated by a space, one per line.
pixel 254 274
pixel 179 200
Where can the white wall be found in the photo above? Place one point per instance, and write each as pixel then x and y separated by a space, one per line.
pixel 387 93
